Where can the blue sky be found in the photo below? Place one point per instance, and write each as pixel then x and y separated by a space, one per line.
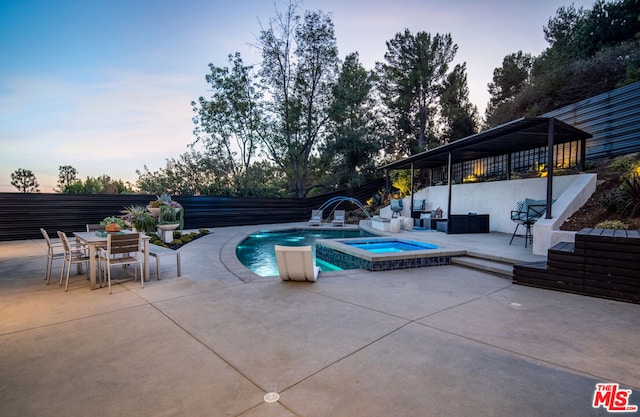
pixel 105 85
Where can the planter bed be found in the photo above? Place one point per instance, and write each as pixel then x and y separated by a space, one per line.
pixel 601 263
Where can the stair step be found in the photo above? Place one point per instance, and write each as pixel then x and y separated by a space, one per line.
pixel 496 267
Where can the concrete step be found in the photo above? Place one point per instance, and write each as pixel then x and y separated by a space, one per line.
pixel 483 264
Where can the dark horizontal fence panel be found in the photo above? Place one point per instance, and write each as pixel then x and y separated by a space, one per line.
pixel 225 211
pixel 22 215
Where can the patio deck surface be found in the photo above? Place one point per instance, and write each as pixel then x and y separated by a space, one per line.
pixel 434 341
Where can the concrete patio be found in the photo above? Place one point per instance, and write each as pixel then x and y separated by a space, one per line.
pixel 422 342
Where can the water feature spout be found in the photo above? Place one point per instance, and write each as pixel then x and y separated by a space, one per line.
pixel 339 199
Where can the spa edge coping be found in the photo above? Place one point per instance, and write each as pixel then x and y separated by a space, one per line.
pixel 339 245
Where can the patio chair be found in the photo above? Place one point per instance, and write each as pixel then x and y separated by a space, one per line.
pixel 338 218
pixel 295 263
pixel 73 255
pixel 124 249
pixel 418 208
pixel 94 227
pixel 316 218
pixel 396 207
pixel 418 205
pixel 527 213
pixel 55 250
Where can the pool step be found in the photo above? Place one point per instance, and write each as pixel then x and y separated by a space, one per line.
pixel 500 267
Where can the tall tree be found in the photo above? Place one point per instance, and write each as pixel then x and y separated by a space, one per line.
pixel 353 143
pixel 300 63
pixel 230 124
pixel 578 33
pixel 67 176
pixel 459 114
pixel 411 81
pixel 508 81
pixel 25 181
pixel 590 52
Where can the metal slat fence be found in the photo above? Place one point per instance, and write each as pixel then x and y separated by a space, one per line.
pixel 612 118
pixel 22 215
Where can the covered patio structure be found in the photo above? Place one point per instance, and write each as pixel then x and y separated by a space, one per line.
pixel 526 147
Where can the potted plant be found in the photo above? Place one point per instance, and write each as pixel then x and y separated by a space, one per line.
pixel 164 200
pixel 138 218
pixel 167 219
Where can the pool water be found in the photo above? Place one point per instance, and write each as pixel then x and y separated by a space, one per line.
pixel 392 246
pixel 258 254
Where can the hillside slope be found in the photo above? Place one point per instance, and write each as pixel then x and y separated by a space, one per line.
pixel 594 211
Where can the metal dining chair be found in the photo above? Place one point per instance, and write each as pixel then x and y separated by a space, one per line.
pixel 124 249
pixel 73 255
pixel 94 227
pixel 55 250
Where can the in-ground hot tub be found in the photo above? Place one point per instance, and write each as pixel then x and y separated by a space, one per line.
pixel 391 245
pixel 383 253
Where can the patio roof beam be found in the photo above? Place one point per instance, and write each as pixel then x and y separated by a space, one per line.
pixel 519 135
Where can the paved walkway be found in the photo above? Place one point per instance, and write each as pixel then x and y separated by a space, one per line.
pixel 439 341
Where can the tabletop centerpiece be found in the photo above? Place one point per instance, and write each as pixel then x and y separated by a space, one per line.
pixel 112 224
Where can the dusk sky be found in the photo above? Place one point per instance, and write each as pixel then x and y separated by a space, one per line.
pixel 106 85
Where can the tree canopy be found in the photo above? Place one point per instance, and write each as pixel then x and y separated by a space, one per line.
pixel 300 62
pixel 590 52
pixel 353 143
pixel 230 125
pixel 411 82
pixel 301 121
pixel 25 181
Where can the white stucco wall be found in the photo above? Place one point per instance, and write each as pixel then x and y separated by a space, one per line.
pixel 498 198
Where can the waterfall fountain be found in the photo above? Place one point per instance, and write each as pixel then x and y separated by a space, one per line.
pixel 339 199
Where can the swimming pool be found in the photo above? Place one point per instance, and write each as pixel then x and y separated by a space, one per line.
pixel 256 252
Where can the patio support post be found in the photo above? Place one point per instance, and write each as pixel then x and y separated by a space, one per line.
pixel 450 185
pixel 387 185
pixel 412 186
pixel 583 154
pixel 550 134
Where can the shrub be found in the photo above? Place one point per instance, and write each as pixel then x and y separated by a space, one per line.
pixel 614 200
pixel 156 240
pixel 185 239
pixel 624 163
pixel 631 188
pixel 204 231
pixel 612 224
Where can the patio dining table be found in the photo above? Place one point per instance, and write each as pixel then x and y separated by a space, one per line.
pixel 94 241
